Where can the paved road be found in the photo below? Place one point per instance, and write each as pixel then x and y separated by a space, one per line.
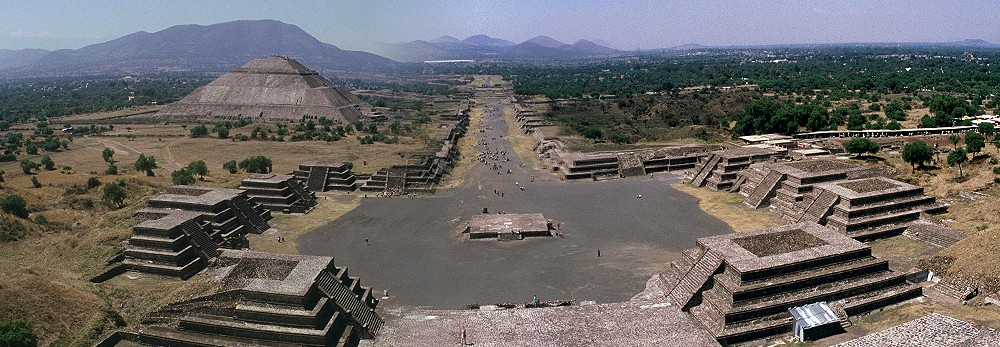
pixel 417 253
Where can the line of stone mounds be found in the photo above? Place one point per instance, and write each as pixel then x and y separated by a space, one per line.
pixel 423 170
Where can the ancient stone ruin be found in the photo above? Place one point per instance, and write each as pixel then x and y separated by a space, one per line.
pixel 267 299
pixel 719 170
pixel 269 89
pixel 423 170
pixel 279 193
pixel 740 286
pixel 850 198
pixel 323 176
pixel 783 184
pixel 508 226
pixel 184 228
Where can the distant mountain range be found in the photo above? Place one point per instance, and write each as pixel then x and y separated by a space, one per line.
pixel 485 47
pixel 217 47
pixel 224 46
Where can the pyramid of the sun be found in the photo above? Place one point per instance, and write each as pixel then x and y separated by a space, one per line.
pixel 273 88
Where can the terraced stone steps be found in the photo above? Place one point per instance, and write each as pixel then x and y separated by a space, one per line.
pixel 196 234
pixel 243 210
pixel 298 317
pixel 820 207
pixel 212 324
pixel 705 170
pixel 317 178
pixel 350 302
pixel 765 190
pixel 806 279
pixel 695 278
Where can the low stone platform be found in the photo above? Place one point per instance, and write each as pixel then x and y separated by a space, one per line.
pixel 740 286
pixel 934 329
pixel 872 207
pixel 267 299
pixel 783 184
pixel 508 226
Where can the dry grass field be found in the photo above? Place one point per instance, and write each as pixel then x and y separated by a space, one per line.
pixel 729 208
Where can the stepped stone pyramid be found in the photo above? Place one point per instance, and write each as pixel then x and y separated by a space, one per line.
pixel 322 176
pixel 183 229
pixel 720 169
pixel 280 193
pixel 269 89
pixel 740 286
pixel 267 299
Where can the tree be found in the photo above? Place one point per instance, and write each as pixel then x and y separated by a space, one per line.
pixel 861 145
pixel 108 155
pixel 258 164
pixel 28 165
pixel 15 205
pixel 987 129
pixel 198 168
pixel 199 131
pixel 31 149
pixel 93 182
pixel 917 153
pixel 114 193
pixel 974 142
pixel 17 333
pixel 182 177
pixel 222 131
pixel 111 170
pixel 592 133
pixel 958 157
pixel 954 139
pixel 230 166
pixel 47 162
pixel 147 164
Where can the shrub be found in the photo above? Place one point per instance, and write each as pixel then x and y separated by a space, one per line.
pixel 17 333
pixel 93 182
pixel 182 177
pixel 47 162
pixel 230 166
pixel 10 231
pixel 14 205
pixel 35 183
pixel 114 193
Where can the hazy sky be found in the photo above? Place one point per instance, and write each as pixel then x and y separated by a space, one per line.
pixel 634 24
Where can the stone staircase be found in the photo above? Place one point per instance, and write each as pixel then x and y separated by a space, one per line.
pixel 630 165
pixel 740 180
pixel 705 170
pixel 317 179
pixel 301 191
pixel 248 215
pixel 691 282
pixel 764 190
pixel 819 208
pixel 395 182
pixel 199 239
pixel 360 312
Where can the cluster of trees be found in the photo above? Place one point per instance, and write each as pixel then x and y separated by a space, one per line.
pixel 835 71
pixel 436 87
pixel 186 174
pixel 65 96
pixel 394 104
pixel 17 333
pixel 42 138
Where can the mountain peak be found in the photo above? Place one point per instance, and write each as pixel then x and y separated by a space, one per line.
pixel 545 41
pixel 484 40
pixel 445 39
